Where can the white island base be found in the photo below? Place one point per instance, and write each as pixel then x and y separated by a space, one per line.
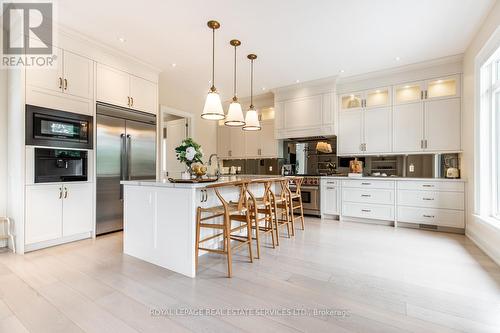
pixel 160 221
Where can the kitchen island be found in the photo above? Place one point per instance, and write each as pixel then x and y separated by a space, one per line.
pixel 160 219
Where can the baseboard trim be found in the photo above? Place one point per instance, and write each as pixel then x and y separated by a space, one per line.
pixel 54 242
pixel 484 246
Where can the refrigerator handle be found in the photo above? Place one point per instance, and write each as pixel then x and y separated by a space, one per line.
pixel 122 162
pixel 129 148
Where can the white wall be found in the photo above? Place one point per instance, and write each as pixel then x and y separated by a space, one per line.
pixel 3 142
pixel 204 131
pixel 486 236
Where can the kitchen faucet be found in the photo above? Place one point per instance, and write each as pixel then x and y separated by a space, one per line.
pixel 217 173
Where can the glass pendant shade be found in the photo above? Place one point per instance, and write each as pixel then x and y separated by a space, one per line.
pixel 252 122
pixel 213 107
pixel 235 115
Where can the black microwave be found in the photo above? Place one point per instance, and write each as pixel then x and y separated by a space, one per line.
pixel 55 128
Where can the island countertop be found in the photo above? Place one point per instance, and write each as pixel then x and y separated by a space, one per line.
pixel 221 180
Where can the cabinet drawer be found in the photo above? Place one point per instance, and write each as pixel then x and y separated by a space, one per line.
pixel 375 196
pixel 331 182
pixel 432 199
pixel 441 217
pixel 368 211
pixel 368 183
pixel 431 185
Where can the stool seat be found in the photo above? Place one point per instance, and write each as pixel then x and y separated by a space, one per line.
pixel 232 208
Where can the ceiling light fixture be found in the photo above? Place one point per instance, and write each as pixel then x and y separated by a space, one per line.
pixel 252 122
pixel 235 113
pixel 213 105
pixel 122 39
pixel 397 58
pixel 342 71
pixel 174 65
pixel 297 81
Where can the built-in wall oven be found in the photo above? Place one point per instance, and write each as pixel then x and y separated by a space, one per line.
pixel 55 128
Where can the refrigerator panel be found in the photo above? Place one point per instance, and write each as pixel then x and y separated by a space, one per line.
pixel 141 150
pixel 110 155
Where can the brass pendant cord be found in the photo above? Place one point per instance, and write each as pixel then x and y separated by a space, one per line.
pixel 251 84
pixel 234 87
pixel 213 60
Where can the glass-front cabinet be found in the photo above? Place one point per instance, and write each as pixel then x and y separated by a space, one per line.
pixel 446 87
pixel 408 93
pixel 379 97
pixel 352 101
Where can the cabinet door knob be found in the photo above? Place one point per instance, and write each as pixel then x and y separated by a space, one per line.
pixel 65 192
pixel 60 83
pixel 65 84
pixel 131 101
pixel 128 103
pixel 60 192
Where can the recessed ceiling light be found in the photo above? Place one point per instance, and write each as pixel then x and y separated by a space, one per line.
pixel 406 87
pixel 377 91
pixel 342 71
pixel 174 65
pixel 122 39
pixel 297 81
pixel 264 88
pixel 397 58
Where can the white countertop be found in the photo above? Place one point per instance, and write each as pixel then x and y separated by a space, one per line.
pixel 397 178
pixel 166 183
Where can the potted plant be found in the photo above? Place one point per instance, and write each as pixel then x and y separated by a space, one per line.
pixel 189 152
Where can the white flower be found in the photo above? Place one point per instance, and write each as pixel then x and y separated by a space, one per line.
pixel 190 153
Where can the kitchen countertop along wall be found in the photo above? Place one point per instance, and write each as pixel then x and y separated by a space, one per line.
pixel 398 178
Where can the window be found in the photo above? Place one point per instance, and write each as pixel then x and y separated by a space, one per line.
pixel 488 136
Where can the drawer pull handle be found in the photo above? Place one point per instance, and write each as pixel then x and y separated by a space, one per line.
pixel 333 183
pixel 366 183
pixel 429 216
pixel 366 196
pixel 366 210
pixel 330 188
pixel 428 199
pixel 427 185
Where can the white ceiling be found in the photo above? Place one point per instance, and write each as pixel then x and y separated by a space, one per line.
pixel 294 40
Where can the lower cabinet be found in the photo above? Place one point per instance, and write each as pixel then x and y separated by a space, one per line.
pixel 330 197
pixel 57 210
pixel 368 199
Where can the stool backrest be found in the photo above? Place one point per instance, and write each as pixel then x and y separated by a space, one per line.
pixel 242 198
pixel 297 181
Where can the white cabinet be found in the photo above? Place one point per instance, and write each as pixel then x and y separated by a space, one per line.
pixel 77 211
pixel 223 141
pixel 408 127
pixel 304 112
pixel 369 199
pixel 443 125
pixel 57 211
pixel 143 94
pixel 427 116
pixel 78 75
pixel 350 133
pixel 233 142
pixel 120 88
pixel 69 86
pixel 43 213
pixel 330 197
pixel 365 122
pixel 113 86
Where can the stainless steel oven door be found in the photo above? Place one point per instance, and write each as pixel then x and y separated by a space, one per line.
pixel 310 198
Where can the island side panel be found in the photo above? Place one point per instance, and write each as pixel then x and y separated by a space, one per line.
pixel 159 226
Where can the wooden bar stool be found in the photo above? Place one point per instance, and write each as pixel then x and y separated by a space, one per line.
pixel 296 200
pixel 281 204
pixel 7 234
pixel 261 212
pixel 229 211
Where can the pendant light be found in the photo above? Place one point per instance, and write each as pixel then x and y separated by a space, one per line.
pixel 235 113
pixel 252 122
pixel 213 105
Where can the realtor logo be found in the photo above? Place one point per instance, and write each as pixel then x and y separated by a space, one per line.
pixel 27 34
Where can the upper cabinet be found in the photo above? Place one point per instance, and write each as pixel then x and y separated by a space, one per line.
pixel 233 142
pixel 68 86
pixel 306 110
pixel 365 122
pixel 427 116
pixel 120 88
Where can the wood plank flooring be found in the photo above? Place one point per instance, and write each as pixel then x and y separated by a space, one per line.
pixel 378 278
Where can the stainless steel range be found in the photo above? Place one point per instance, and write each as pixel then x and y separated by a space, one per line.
pixel 311 195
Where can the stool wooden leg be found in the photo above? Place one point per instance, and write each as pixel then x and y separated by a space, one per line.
pixel 197 248
pixel 276 224
pixel 287 210
pixel 227 241
pixel 271 224
pixel 257 238
pixel 249 235
pixel 302 213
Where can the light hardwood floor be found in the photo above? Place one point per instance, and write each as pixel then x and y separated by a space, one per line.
pixel 386 279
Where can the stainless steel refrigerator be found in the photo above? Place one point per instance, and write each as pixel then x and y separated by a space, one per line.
pixel 126 150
